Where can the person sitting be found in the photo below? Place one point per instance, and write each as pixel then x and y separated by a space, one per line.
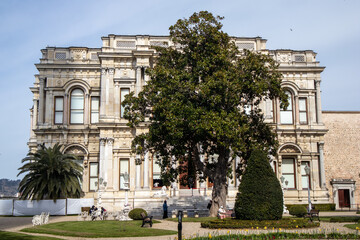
pixel 103 213
pixel 221 212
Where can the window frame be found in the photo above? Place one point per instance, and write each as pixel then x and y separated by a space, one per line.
pixel 289 174
pixel 291 105
pixel 305 175
pixel 92 111
pixel 122 97
pixel 93 177
pixel 57 111
pixel 83 107
pixel 303 111
pixel 128 171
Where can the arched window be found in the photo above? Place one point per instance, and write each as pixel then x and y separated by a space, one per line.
pixel 286 116
pixel 77 107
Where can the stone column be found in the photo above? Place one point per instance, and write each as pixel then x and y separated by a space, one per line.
pixel 138 80
pixel 138 172
pixel 66 109
pixel 296 110
pixel 109 162
pixel 41 100
pixel 318 101
pixel 321 165
pixel 277 115
pixel 103 93
pixel 117 101
pixel 146 171
pixel 115 169
pixel 87 109
pixel 102 157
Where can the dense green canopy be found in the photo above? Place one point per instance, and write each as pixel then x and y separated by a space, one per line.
pixel 50 174
pixel 194 103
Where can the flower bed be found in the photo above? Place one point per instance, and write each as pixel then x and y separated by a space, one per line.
pixel 285 223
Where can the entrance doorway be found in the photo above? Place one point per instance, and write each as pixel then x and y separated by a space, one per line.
pixel 344 198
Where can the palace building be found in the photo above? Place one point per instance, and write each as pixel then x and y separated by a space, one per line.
pixel 77 102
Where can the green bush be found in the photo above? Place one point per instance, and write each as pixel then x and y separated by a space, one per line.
pixel 269 224
pixel 345 219
pixel 320 207
pixel 260 195
pixel 298 210
pixel 135 213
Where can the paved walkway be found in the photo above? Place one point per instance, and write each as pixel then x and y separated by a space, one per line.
pixel 15 224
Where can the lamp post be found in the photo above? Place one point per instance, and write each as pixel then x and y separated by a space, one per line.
pixel 307 171
pixel 101 185
pixel 282 179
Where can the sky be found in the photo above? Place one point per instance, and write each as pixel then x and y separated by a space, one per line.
pixel 331 28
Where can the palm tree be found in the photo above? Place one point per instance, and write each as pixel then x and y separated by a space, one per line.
pixel 50 174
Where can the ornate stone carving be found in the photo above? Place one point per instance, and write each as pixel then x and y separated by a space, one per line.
pixel 290 149
pixel 102 141
pixel 284 57
pixel 103 71
pixel 75 150
pixel 111 71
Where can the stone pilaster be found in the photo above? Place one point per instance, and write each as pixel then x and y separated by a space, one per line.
pixel 321 165
pixel 102 157
pixel 41 99
pixel 138 172
pixel 318 101
pixel 146 170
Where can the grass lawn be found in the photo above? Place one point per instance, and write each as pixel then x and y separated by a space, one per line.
pixel 98 229
pixel 20 236
pixel 355 226
pixel 192 219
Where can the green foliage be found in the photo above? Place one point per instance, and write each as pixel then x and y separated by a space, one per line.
pixel 298 210
pixel 321 206
pixel 99 229
pixel 285 223
pixel 135 213
pixel 195 99
pixel 345 219
pixel 50 174
pixel 260 195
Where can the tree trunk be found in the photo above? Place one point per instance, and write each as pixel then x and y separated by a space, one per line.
pixel 219 177
pixel 219 192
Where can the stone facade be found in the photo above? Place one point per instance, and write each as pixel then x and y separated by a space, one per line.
pixel 77 102
pixel 342 154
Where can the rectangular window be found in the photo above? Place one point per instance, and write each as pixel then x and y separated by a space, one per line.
pixel 95 109
pixel 302 111
pixel 288 171
pixel 286 116
pixel 305 179
pixel 94 176
pixel 157 182
pixel 124 173
pixel 59 110
pixel 123 92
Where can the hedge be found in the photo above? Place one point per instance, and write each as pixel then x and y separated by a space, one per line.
pixel 285 223
pixel 321 207
pixel 345 219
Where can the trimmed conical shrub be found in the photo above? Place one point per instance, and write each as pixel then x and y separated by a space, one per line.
pixel 260 196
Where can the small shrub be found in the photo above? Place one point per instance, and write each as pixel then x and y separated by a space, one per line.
pixel 135 213
pixel 321 207
pixel 298 210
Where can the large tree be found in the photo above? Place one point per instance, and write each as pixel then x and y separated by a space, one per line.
pixel 50 174
pixel 195 101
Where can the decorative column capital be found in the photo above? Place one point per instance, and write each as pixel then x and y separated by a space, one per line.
pixel 317 82
pixel 102 141
pixel 321 145
pixel 110 141
pixel 111 71
pixel 104 71
pixel 138 161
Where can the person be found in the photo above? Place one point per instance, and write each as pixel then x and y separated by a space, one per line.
pixel 92 213
pixel 221 212
pixel 209 205
pixel 103 213
pixel 165 209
